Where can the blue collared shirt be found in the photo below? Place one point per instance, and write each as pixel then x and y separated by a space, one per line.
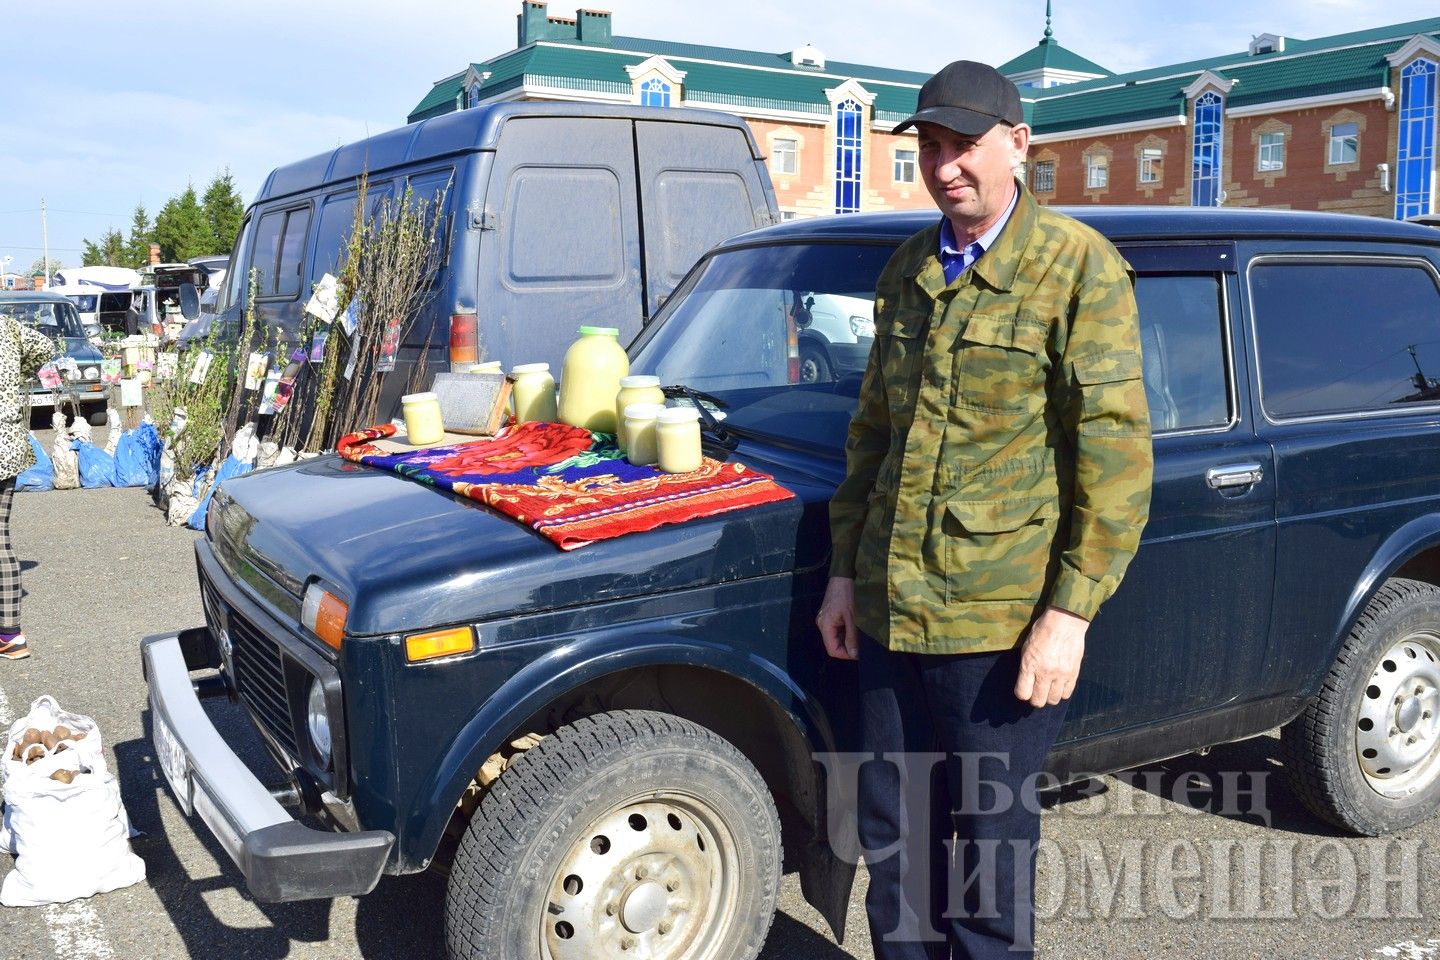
pixel 956 261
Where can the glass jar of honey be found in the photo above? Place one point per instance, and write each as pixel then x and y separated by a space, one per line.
pixel 423 423
pixel 590 379
pixel 533 393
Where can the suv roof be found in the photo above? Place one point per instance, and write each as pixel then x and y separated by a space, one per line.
pixel 463 131
pixel 36 296
pixel 1125 223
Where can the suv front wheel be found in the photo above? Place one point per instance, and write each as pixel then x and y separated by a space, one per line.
pixel 1365 755
pixel 628 833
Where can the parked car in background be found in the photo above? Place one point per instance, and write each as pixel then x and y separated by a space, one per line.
pixel 56 317
pixel 835 334
pixel 644 714
pixel 101 311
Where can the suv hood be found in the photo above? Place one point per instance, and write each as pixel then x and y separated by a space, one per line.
pixel 409 557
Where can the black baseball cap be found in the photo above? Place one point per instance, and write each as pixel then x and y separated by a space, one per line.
pixel 969 98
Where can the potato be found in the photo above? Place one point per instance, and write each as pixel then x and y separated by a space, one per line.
pixel 48 740
pixel 64 776
pixel 31 736
pixel 62 732
pixel 36 751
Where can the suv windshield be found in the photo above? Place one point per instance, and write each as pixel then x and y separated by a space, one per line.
pixel 53 318
pixel 739 325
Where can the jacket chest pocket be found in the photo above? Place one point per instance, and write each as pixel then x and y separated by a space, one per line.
pixel 1000 364
pixel 903 356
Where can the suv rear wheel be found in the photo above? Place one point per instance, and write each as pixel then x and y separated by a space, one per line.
pixel 629 833
pixel 1365 755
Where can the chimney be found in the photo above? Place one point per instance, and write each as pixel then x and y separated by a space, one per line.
pixel 532 22
pixel 154 253
pixel 594 27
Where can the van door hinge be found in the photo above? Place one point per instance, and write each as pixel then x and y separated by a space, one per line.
pixel 483 219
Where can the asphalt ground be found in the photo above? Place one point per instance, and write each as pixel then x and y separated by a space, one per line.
pixel 1147 864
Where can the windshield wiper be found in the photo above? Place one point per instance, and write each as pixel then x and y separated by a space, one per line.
pixel 699 398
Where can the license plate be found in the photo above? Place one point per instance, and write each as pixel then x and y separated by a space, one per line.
pixel 172 761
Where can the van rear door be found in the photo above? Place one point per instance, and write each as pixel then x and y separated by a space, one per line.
pixel 699 184
pixel 560 243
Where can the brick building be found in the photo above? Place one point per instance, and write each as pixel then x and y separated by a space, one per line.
pixel 1342 123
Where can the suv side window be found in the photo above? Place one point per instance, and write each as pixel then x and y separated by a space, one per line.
pixel 1182 346
pixel 1340 337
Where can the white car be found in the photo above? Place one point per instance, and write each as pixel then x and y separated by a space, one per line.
pixel 837 337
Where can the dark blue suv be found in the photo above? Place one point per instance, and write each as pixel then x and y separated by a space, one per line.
pixel 623 740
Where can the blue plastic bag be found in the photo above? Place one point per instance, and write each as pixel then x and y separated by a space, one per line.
pixel 230 468
pixel 97 468
pixel 147 440
pixel 39 477
pixel 131 469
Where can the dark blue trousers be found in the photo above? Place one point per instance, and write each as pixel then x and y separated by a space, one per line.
pixel 950 820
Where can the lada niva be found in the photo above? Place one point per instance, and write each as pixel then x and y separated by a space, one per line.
pixel 616 751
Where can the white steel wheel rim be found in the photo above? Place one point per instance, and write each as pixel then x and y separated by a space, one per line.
pixel 809 369
pixel 1397 731
pixel 653 878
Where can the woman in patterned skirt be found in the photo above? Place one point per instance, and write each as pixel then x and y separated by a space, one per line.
pixel 23 351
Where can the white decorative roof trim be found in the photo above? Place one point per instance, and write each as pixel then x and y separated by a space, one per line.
pixel 850 90
pixel 1208 79
pixel 1306 103
pixel 1135 126
pixel 1420 43
pixel 659 65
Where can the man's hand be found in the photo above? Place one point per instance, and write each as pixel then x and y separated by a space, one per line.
pixel 836 619
pixel 1050 657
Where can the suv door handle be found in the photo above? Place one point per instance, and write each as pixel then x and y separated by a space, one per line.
pixel 1234 475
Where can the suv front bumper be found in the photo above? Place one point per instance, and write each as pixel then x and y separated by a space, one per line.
pixel 281 858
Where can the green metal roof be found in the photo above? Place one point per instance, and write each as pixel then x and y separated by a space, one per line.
pixel 728 76
pixel 1049 54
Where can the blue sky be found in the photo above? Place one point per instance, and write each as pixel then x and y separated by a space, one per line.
pixel 105 105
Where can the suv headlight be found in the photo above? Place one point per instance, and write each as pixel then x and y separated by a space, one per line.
pixel 862 327
pixel 317 721
pixel 92 373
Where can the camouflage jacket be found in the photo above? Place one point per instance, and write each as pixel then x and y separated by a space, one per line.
pixel 1000 459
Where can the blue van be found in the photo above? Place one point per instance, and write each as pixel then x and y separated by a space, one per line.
pixel 555 215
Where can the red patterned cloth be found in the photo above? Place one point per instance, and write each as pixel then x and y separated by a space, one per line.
pixel 571 486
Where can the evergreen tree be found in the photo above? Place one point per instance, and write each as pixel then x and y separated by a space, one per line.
pixel 109 252
pixel 224 210
pixel 137 244
pixel 181 228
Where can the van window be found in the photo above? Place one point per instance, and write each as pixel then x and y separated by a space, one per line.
pixel 1345 337
pixel 332 232
pixel 435 189
pixel 238 275
pixel 279 250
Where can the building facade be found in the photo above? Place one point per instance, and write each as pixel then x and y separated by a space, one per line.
pixel 1345 123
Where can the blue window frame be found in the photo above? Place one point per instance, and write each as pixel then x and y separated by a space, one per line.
pixel 654 93
pixel 849 147
pixel 1415 160
pixel 1209 150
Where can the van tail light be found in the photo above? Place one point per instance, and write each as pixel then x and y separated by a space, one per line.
pixel 792 350
pixel 324 614
pixel 464 341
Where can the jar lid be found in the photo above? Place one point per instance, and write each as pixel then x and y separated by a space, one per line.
pixel 490 366
pixel 418 397
pixel 678 415
pixel 638 382
pixel 600 331
pixel 530 368
pixel 643 411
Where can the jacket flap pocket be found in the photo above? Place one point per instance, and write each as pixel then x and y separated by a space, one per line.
pixel 1006 330
pixel 1000 516
pixel 1107 367
pixel 907 323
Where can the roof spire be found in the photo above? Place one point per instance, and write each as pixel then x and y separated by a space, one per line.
pixel 1049 34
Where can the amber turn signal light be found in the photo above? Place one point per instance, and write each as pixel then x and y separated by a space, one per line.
pixel 324 615
pixel 439 643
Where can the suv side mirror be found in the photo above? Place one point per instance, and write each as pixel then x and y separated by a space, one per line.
pixel 189 301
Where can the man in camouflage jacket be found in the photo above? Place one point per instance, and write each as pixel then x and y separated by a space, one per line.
pixel 998 479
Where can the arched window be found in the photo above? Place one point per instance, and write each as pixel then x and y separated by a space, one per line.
pixel 654 93
pixel 1415 160
pixel 474 96
pixel 849 147
pixel 1209 150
